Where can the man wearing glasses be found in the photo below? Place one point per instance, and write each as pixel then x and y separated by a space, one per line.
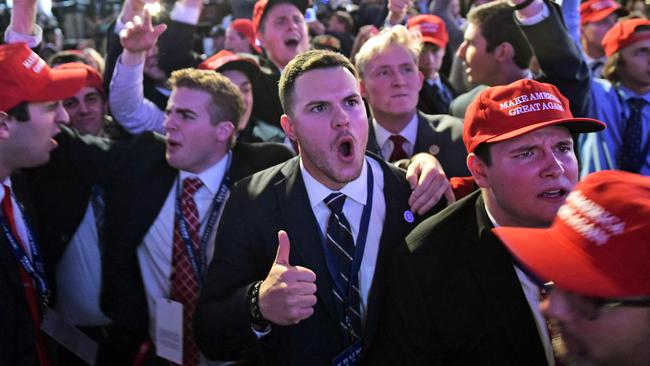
pixel 597 255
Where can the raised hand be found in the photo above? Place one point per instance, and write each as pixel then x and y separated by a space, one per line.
pixel 139 35
pixel 287 295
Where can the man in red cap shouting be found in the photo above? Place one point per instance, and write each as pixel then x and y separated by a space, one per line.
pixel 622 101
pixel 455 295
pixel 596 18
pixel 597 254
pixel 31 113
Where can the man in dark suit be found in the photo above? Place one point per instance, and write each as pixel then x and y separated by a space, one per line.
pixel 31 112
pixel 437 92
pixel 455 295
pixel 390 81
pixel 500 41
pixel 278 289
pixel 142 220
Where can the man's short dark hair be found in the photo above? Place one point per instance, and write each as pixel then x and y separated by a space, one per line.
pixel 482 151
pixel 20 112
pixel 308 61
pixel 495 21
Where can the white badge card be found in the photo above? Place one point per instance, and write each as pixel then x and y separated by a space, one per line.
pixel 69 336
pixel 169 330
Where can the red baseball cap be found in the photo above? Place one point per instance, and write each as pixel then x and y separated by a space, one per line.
pixel 25 77
pixel 597 10
pixel 433 29
pixel 503 112
pixel 624 33
pixel 93 78
pixel 226 60
pixel 245 27
pixel 598 244
pixel 263 6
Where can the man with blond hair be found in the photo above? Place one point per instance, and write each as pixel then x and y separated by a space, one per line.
pixel 390 83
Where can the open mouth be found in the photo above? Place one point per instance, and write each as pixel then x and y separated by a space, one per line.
pixel 345 148
pixel 291 42
pixel 554 194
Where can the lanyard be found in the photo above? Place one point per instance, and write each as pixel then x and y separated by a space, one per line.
pixel 34 267
pixel 358 250
pixel 199 265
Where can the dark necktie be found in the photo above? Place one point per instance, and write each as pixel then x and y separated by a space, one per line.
pixel 442 96
pixel 631 159
pixel 340 243
pixel 28 284
pixel 594 68
pixel 98 206
pixel 184 284
pixel 398 148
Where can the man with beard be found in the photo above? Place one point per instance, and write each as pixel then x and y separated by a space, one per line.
pixel 455 295
pixel 298 270
pixel 596 253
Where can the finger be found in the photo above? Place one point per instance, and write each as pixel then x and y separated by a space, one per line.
pixel 301 314
pixel 303 288
pixel 306 301
pixel 282 256
pixel 137 21
pixel 159 29
pixel 412 173
pixel 427 199
pixel 304 274
pixel 146 21
pixel 425 181
pixel 449 195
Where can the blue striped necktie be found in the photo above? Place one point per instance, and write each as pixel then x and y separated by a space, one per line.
pixel 631 158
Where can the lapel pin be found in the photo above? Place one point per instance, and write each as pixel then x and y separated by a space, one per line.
pixel 408 216
pixel 434 149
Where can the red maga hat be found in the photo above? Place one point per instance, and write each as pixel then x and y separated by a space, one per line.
pixel 432 28
pixel 263 6
pixel 226 60
pixel 245 27
pixel 625 33
pixel 503 112
pixel 598 243
pixel 25 77
pixel 93 78
pixel 597 10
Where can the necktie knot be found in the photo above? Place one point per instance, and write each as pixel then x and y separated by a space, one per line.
pixel 636 104
pixel 191 185
pixel 335 202
pixel 398 148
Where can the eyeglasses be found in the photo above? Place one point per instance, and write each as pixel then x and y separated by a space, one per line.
pixel 592 307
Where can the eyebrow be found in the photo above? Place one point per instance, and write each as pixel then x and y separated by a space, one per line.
pixel 185 111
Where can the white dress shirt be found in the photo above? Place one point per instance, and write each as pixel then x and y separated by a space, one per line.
pixel 409 132
pixel 357 195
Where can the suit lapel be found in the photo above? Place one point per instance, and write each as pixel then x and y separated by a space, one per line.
pixel 372 144
pixel 503 292
pixel 306 247
pixel 426 137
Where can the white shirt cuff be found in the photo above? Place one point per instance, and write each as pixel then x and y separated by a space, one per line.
pixel 32 40
pixel 537 18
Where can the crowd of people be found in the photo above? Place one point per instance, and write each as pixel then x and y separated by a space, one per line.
pixel 399 182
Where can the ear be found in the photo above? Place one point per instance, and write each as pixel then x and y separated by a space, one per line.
pixel 225 130
pixel 504 52
pixel 362 89
pixel 479 170
pixel 287 125
pixel 5 122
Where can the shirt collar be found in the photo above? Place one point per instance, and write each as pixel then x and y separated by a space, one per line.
pixel 212 176
pixel 6 182
pixel 410 131
pixel 627 94
pixel 317 192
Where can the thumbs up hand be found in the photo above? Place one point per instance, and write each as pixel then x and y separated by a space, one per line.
pixel 287 295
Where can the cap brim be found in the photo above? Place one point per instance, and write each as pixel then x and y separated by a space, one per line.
pixel 553 257
pixel 604 13
pixel 433 41
pixel 576 125
pixel 248 68
pixel 63 84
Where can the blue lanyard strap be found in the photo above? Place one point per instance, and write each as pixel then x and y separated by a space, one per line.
pixel 34 267
pixel 199 265
pixel 358 250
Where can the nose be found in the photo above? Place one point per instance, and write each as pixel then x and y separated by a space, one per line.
pixel 462 51
pixel 61 117
pixel 170 122
pixel 83 108
pixel 554 166
pixel 556 306
pixel 340 118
